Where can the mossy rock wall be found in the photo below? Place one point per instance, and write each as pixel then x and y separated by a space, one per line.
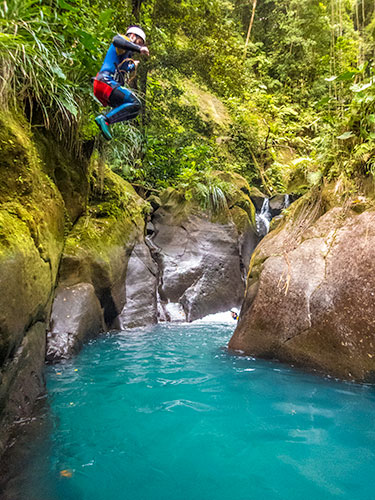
pixel 51 200
pixel 32 226
pixel 96 255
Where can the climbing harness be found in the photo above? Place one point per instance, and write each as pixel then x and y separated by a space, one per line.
pixel 121 75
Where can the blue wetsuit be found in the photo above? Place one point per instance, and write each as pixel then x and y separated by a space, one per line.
pixel 108 83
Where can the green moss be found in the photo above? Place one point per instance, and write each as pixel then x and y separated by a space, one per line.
pixel 256 193
pixel 26 281
pixel 27 192
pixel 175 201
pixel 241 219
pixel 238 194
pixel 113 220
pixel 67 173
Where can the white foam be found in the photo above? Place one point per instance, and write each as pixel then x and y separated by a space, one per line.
pixel 221 317
pixel 175 311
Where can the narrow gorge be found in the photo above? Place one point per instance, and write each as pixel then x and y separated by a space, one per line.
pixel 187 234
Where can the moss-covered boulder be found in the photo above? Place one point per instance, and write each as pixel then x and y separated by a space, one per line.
pixel 309 298
pixel 31 242
pixel 96 253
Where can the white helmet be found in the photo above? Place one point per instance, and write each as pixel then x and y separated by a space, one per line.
pixel 234 310
pixel 136 30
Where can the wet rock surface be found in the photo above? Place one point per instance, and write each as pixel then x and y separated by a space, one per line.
pixel 199 263
pixel 76 317
pixel 31 242
pixel 22 380
pixel 310 298
pixel 93 267
pixel 141 289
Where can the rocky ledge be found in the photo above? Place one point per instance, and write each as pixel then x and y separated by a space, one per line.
pixel 310 297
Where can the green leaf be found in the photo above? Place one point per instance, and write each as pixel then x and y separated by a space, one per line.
pixel 105 16
pixel 58 71
pixel 348 75
pixel 65 5
pixel 323 101
pixel 87 40
pixel 346 135
pixel 297 161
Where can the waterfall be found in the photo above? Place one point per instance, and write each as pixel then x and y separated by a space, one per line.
pixel 263 218
pixel 286 201
pixel 161 312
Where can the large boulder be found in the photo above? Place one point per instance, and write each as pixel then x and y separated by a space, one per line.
pixel 96 252
pixel 199 257
pixel 76 317
pixel 310 295
pixel 141 289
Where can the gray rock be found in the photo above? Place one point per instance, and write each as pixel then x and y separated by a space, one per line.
pixel 141 289
pixel 310 299
pixel 277 203
pixel 22 379
pixel 258 202
pixel 150 229
pixel 76 317
pixel 199 263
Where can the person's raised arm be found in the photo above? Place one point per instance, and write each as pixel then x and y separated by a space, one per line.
pixel 121 43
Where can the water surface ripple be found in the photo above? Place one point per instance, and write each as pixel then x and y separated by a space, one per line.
pixel 168 413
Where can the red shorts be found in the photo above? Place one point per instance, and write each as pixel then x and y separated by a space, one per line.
pixel 102 91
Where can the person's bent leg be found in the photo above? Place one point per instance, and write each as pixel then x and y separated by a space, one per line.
pixel 126 105
pixel 102 91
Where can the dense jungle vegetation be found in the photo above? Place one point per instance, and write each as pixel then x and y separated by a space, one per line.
pixel 282 92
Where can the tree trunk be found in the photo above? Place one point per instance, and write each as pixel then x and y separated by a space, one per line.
pixel 250 27
pixel 136 9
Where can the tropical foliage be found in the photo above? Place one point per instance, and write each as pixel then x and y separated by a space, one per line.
pixel 294 108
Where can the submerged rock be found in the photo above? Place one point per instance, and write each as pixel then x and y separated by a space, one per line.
pixel 310 298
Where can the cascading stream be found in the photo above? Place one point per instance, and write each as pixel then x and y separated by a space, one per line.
pixel 265 215
pixel 263 218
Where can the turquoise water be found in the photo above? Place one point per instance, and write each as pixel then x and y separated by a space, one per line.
pixel 168 413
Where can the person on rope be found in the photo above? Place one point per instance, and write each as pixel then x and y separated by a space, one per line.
pixel 109 82
pixel 235 314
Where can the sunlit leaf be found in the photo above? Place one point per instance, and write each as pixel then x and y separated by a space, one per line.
pixel 346 135
pixel 361 88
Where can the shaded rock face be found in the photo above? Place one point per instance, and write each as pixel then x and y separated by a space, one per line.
pixel 76 317
pixel 199 264
pixel 93 268
pixel 43 192
pixel 141 289
pixel 31 242
pixel 22 380
pixel 310 298
pixel 193 263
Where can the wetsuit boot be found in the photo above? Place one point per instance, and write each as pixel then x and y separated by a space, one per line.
pixel 103 124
